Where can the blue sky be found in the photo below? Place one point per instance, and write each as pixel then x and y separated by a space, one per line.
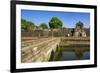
pixel 69 19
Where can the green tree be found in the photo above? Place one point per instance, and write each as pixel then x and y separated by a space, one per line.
pixel 27 25
pixel 44 25
pixel 23 24
pixel 55 22
pixel 30 26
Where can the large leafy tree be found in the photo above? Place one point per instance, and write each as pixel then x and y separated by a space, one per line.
pixel 44 25
pixel 55 22
pixel 27 25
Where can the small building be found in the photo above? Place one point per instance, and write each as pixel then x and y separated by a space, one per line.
pixel 79 31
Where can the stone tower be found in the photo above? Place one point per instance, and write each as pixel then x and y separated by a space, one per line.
pixel 79 31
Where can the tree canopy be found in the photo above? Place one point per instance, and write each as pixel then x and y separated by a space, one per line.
pixel 44 25
pixel 55 22
pixel 27 25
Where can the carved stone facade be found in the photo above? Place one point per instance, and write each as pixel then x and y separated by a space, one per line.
pixel 79 31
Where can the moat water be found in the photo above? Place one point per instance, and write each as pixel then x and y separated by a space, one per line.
pixel 67 55
pixel 77 54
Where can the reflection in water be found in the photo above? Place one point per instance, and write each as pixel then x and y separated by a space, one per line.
pixel 71 53
pixel 77 54
pixel 68 55
pixel 74 56
pixel 86 55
